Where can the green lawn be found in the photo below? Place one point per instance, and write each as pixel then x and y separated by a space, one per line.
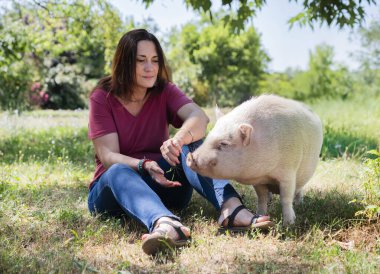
pixel 46 163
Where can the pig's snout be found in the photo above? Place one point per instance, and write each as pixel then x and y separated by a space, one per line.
pixel 191 163
pixel 195 163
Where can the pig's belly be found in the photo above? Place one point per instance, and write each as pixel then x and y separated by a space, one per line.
pixel 263 180
pixel 270 183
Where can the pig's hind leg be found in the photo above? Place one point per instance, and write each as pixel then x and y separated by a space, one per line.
pixel 287 192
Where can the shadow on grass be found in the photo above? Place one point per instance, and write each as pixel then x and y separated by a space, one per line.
pixel 42 227
pixel 271 266
pixel 51 220
pixel 326 211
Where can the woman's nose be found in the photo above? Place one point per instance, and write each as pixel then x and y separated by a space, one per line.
pixel 148 66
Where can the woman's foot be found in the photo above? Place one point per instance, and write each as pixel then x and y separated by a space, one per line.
pixel 244 218
pixel 168 233
pixel 171 232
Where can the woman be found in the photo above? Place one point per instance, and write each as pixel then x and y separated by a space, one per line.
pixel 140 170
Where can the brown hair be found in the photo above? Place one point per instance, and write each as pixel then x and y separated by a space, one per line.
pixel 122 79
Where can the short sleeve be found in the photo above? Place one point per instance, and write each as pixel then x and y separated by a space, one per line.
pixel 175 100
pixel 101 120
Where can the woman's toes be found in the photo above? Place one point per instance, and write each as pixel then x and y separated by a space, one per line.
pixel 173 233
pixel 263 218
pixel 170 231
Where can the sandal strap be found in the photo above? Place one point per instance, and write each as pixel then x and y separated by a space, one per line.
pixel 177 228
pixel 231 218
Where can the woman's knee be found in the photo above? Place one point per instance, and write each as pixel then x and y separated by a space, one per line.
pixel 120 174
pixel 119 169
pixel 104 202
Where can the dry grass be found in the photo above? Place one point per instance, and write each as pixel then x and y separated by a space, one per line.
pixel 45 225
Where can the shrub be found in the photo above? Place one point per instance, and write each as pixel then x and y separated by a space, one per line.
pixel 64 88
pixel 371 184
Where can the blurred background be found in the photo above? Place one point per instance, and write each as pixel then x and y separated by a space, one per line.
pixel 53 52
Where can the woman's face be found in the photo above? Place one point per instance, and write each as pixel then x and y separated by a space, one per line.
pixel 146 64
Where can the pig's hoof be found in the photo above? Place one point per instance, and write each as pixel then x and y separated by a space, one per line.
pixel 263 225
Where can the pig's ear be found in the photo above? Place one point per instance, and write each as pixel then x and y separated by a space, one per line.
pixel 245 131
pixel 218 112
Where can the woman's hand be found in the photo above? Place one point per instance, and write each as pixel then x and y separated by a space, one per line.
pixel 171 149
pixel 157 174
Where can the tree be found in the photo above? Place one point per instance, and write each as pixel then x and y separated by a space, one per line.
pixel 369 56
pixel 370 40
pixel 227 66
pixel 338 12
pixel 15 75
pixel 63 42
pixel 322 79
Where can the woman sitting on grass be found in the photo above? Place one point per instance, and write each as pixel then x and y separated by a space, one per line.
pixel 140 171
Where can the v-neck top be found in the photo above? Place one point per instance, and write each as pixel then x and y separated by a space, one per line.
pixel 140 136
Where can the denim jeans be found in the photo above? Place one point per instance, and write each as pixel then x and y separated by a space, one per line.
pixel 122 190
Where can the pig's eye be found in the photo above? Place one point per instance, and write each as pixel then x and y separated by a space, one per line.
pixel 222 145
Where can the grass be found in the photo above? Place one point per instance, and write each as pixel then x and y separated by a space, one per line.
pixel 46 163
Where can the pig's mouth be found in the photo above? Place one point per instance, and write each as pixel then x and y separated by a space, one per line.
pixel 191 163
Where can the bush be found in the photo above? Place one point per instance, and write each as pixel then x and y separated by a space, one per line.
pixel 15 81
pixel 371 184
pixel 64 87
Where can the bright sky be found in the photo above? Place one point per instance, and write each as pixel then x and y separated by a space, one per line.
pixel 287 47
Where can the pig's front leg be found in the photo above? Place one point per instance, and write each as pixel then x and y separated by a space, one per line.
pixel 262 192
pixel 287 189
pixel 299 197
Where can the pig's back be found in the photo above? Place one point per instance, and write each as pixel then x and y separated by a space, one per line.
pixel 289 129
pixel 282 117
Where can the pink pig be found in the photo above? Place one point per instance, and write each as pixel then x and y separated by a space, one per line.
pixel 269 142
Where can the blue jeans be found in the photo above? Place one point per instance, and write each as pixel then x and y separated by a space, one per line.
pixel 123 190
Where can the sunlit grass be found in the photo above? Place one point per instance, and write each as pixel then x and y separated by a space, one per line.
pixel 14 122
pixel 45 226
pixel 46 163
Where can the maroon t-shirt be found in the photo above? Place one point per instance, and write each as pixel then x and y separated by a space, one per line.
pixel 140 136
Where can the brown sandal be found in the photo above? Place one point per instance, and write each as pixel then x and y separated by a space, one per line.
pixel 254 224
pixel 160 241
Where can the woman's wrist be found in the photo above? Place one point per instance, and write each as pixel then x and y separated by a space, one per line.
pixel 185 135
pixel 191 134
pixel 141 166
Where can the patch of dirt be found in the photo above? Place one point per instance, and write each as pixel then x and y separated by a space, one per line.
pixel 365 237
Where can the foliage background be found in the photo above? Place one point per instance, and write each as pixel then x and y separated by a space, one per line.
pixel 53 52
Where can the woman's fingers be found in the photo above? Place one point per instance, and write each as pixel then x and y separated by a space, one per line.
pixel 171 150
pixel 160 178
pixel 156 168
pixel 158 174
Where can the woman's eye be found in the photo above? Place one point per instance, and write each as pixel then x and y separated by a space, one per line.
pixel 140 60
